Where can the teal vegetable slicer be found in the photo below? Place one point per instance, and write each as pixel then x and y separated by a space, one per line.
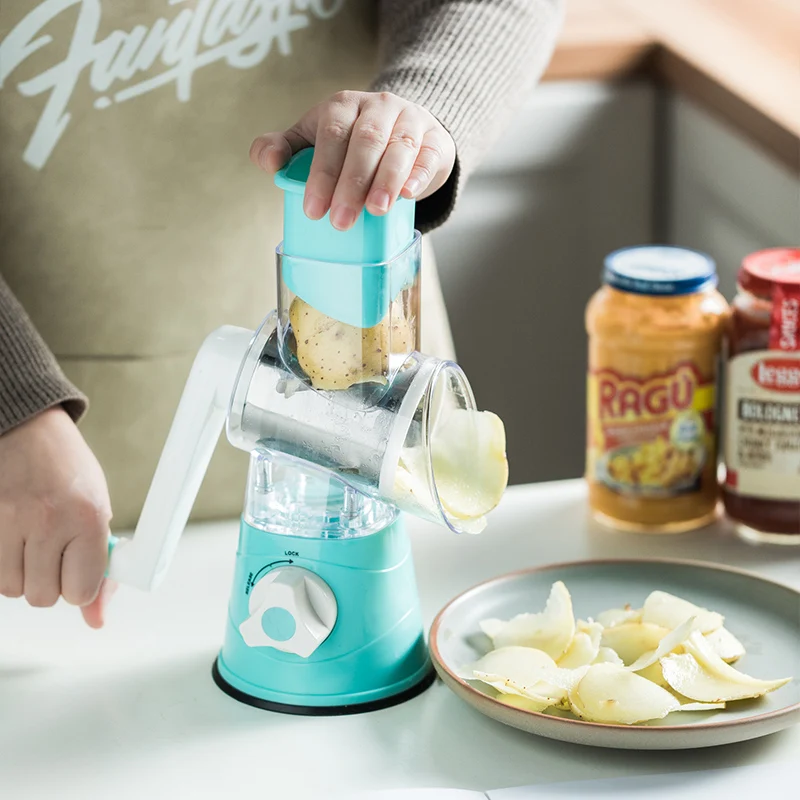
pixel 339 412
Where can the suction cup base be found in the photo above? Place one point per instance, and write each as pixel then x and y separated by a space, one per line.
pixel 409 693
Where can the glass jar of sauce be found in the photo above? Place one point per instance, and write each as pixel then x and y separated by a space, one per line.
pixel 761 491
pixel 655 332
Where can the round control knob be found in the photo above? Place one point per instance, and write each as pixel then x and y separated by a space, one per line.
pixel 292 610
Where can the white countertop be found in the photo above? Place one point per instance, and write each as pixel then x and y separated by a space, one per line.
pixel 132 712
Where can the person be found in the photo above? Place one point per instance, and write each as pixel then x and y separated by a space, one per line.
pixel 132 225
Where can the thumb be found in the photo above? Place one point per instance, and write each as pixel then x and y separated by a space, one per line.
pixel 94 613
pixel 271 151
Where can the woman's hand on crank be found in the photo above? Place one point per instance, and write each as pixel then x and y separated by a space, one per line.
pixel 54 517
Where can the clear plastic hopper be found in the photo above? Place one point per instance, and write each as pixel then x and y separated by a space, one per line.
pixel 346 325
pixel 379 441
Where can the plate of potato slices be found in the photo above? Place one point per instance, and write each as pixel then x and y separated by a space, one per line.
pixel 635 654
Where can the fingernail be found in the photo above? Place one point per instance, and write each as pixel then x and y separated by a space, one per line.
pixel 380 199
pixel 263 156
pixel 314 207
pixel 412 186
pixel 342 217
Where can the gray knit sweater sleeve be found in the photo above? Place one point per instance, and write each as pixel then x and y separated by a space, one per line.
pixel 470 63
pixel 30 378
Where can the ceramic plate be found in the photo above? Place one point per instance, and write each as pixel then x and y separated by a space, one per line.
pixel 765 616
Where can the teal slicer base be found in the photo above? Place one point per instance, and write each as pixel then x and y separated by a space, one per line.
pixel 352 276
pixel 376 650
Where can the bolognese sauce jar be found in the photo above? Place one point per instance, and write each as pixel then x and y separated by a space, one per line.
pixel 761 491
pixel 655 333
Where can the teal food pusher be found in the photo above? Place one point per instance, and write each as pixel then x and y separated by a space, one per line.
pixel 341 416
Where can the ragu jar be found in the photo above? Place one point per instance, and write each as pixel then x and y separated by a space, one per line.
pixel 761 491
pixel 655 331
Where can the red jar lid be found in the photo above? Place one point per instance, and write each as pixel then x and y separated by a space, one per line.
pixel 761 271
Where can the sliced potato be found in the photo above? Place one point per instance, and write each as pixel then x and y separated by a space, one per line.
pixel 550 630
pixel 520 670
pixel 702 650
pixel 580 652
pixel 552 692
pixel 700 674
pixel 594 629
pixel 667 645
pixel 632 640
pixel 687 677
pixel 701 706
pixel 611 694
pixel 605 655
pixel 565 679
pixel 523 665
pixel 584 647
pixel 525 703
pixel 725 645
pixel 335 355
pixel 619 616
pixel 677 655
pixel 668 611
pixel 468 452
pixel 505 686
pixel 654 673
pixel 411 479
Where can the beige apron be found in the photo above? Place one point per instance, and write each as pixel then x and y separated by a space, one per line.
pixel 132 223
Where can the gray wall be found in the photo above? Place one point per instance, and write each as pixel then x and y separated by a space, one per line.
pixel 571 181
pixel 726 195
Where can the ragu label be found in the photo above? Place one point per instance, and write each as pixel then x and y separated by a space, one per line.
pixel 650 436
pixel 784 332
pixel 622 397
pixel 777 374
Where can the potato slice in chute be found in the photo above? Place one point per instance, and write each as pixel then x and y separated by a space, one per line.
pixel 468 452
pixel 411 481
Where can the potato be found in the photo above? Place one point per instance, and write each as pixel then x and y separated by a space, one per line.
pixel 551 630
pixel 676 655
pixel 468 452
pixel 335 355
pixel 612 694
pixel 632 640
pixel 668 611
pixel 700 674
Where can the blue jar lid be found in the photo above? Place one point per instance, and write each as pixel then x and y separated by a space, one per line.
pixel 659 270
